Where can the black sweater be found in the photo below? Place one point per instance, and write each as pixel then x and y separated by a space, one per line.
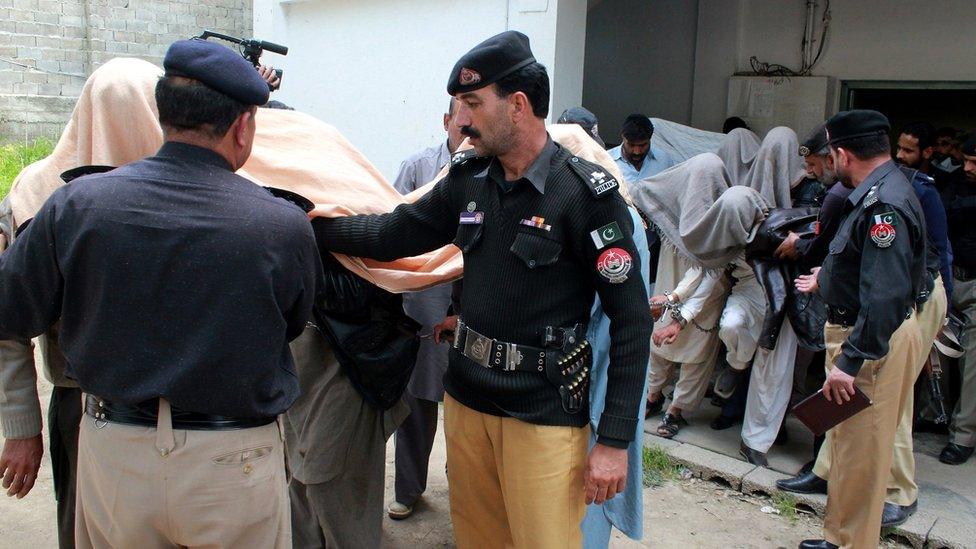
pixel 520 278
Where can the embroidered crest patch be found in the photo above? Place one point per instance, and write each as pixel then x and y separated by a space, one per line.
pixel 614 265
pixel 468 77
pixel 882 234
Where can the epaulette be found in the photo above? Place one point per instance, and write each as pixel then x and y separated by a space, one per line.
pixel 600 183
pixel 305 204
pixel 75 173
pixel 871 198
pixel 460 158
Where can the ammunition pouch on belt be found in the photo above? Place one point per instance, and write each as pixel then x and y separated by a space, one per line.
pixel 565 359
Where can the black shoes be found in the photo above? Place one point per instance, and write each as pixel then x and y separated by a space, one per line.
pixel 754 457
pixel 723 422
pixel 954 454
pixel 816 544
pixel 804 483
pixel 896 515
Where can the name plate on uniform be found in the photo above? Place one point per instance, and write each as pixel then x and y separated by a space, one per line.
pixel 472 218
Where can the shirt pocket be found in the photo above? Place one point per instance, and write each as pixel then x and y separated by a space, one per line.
pixel 468 236
pixel 535 249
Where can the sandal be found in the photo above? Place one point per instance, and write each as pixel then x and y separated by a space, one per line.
pixel 670 425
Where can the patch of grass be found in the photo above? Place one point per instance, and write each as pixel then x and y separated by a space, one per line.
pixel 786 505
pixel 658 466
pixel 14 156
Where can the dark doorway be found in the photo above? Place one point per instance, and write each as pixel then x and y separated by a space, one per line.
pixel 940 103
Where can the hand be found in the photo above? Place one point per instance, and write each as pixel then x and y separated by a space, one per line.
pixel 667 334
pixel 839 386
pixel 606 473
pixel 449 324
pixel 808 283
pixel 787 249
pixel 19 463
pixel 657 306
pixel 270 76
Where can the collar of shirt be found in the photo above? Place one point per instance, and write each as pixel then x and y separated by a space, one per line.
pixel 537 173
pixel 185 151
pixel 876 175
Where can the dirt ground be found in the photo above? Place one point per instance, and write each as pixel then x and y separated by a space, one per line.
pixel 680 514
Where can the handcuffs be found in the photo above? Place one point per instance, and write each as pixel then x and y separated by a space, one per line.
pixel 672 306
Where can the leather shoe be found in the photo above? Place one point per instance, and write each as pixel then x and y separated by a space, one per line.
pixel 816 544
pixel 804 483
pixel 754 457
pixel 722 422
pixel 955 454
pixel 896 515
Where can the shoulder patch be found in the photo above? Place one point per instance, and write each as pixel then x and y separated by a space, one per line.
pixel 600 183
pixel 80 171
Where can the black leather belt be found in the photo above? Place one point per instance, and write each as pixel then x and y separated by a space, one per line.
pixel 498 355
pixel 847 318
pixel 145 414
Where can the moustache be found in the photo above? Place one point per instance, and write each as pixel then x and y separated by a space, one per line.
pixel 470 132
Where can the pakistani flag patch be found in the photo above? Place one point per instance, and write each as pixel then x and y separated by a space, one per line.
pixel 888 218
pixel 606 235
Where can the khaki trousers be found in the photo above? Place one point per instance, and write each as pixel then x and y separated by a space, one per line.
pixel 512 483
pixel 862 446
pixel 902 489
pixel 963 428
pixel 159 488
pixel 692 382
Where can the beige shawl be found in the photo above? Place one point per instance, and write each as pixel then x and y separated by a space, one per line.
pixel 115 122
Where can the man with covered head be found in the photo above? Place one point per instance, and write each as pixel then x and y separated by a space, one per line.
pixel 542 232
pixel 175 317
pixel 95 135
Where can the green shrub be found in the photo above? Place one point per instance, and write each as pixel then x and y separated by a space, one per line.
pixel 658 466
pixel 14 156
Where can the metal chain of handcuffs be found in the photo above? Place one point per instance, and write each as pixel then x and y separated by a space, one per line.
pixel 672 307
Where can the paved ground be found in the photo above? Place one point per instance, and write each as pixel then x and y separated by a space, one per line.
pixel 692 513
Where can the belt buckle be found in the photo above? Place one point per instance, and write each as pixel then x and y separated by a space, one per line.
pixel 513 357
pixel 478 347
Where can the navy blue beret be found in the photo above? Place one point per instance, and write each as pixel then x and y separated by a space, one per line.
pixel 847 125
pixel 490 61
pixel 219 67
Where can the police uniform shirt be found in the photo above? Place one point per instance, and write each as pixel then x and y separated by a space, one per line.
pixel 875 267
pixel 173 277
pixel 535 251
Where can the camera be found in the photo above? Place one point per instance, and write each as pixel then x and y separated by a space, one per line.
pixel 251 50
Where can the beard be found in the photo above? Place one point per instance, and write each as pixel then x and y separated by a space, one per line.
pixel 492 141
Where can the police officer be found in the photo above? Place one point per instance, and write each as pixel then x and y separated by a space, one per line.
pixel 176 310
pixel 874 271
pixel 541 231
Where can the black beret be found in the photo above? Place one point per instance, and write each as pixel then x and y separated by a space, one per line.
pixel 815 141
pixel 490 61
pixel 847 125
pixel 219 67
pixel 584 119
pixel 969 147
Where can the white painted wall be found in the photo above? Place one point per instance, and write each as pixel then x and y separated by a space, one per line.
pixel 640 57
pixel 378 69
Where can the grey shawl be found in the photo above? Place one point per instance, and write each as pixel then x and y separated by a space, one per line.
pixel 694 210
pixel 738 151
pixel 777 168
